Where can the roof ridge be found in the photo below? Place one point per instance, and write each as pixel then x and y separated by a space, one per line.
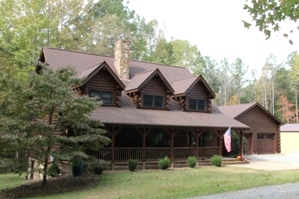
pixel 80 52
pixel 143 72
pixel 185 78
pixel 238 104
pixel 135 60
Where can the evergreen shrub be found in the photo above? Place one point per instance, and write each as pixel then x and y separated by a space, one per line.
pixel 164 163
pixel 216 160
pixel 191 161
pixel 132 165
pixel 54 170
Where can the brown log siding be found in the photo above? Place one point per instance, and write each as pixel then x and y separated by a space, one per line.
pixel 103 81
pixel 199 91
pixel 156 87
pixel 260 123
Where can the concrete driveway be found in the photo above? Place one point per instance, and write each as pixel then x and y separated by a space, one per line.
pixel 271 162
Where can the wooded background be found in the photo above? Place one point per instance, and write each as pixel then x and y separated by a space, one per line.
pixel 93 27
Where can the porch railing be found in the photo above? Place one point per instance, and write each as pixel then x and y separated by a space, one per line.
pixel 153 153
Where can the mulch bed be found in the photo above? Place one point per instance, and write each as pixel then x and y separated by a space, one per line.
pixel 54 186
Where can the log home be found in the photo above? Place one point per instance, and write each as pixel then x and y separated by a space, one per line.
pixel 149 110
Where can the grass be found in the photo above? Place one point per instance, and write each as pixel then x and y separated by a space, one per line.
pixel 8 180
pixel 180 183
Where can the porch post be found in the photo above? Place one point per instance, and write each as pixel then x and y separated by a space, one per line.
pixel 241 144
pixel 220 144
pixel 143 149
pixel 113 134
pixel 171 146
pixel 112 148
pixel 197 144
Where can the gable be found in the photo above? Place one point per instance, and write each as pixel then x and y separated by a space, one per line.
pixel 155 86
pixel 259 120
pixel 102 80
pixel 198 91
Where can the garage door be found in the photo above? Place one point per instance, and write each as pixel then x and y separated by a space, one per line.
pixel 265 143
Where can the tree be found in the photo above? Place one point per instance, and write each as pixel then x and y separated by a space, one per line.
pixel 36 118
pixel 287 109
pixel 294 73
pixel 268 14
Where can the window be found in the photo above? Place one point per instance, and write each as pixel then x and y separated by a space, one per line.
pixel 260 136
pixel 153 101
pixel 105 96
pixel 197 104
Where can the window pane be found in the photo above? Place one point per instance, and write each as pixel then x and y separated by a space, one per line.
pixel 107 97
pixel 192 104
pixel 94 94
pixel 201 105
pixel 148 100
pixel 158 102
pixel 196 104
pixel 153 101
pixel 260 136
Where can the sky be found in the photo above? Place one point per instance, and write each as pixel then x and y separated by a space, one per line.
pixel 216 28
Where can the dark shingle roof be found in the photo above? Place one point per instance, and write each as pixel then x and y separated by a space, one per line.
pixel 86 64
pixel 182 86
pixel 235 111
pixel 175 117
pixel 81 62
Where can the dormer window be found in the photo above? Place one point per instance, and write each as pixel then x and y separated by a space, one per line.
pixel 197 104
pixel 105 96
pixel 153 101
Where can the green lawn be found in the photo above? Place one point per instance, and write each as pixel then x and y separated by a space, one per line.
pixel 8 180
pixel 180 183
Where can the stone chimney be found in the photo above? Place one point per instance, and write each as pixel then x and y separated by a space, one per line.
pixel 122 58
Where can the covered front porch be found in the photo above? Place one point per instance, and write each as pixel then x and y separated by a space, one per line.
pixel 149 144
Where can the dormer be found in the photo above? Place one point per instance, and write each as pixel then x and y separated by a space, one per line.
pixel 193 94
pixel 150 90
pixel 102 82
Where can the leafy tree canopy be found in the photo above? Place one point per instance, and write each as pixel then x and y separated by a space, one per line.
pixel 268 14
pixel 37 118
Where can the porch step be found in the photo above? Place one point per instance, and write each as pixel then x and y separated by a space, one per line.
pixel 225 161
pixel 230 161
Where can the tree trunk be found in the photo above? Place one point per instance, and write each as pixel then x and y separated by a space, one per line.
pixel 44 183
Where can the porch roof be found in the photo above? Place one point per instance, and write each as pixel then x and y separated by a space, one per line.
pixel 128 114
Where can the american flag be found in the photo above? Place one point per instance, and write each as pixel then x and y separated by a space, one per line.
pixel 228 140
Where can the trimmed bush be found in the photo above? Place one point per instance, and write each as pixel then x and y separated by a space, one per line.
pixel 164 163
pixel 98 169
pixel 191 161
pixel 54 170
pixel 132 165
pixel 216 160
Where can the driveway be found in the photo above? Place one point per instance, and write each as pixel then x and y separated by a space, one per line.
pixel 265 162
pixel 271 162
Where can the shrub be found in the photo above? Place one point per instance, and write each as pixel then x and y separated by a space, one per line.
pixel 54 170
pixel 132 165
pixel 192 161
pixel 164 163
pixel 216 160
pixel 98 169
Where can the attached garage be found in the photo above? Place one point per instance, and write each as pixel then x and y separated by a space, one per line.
pixel 263 136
